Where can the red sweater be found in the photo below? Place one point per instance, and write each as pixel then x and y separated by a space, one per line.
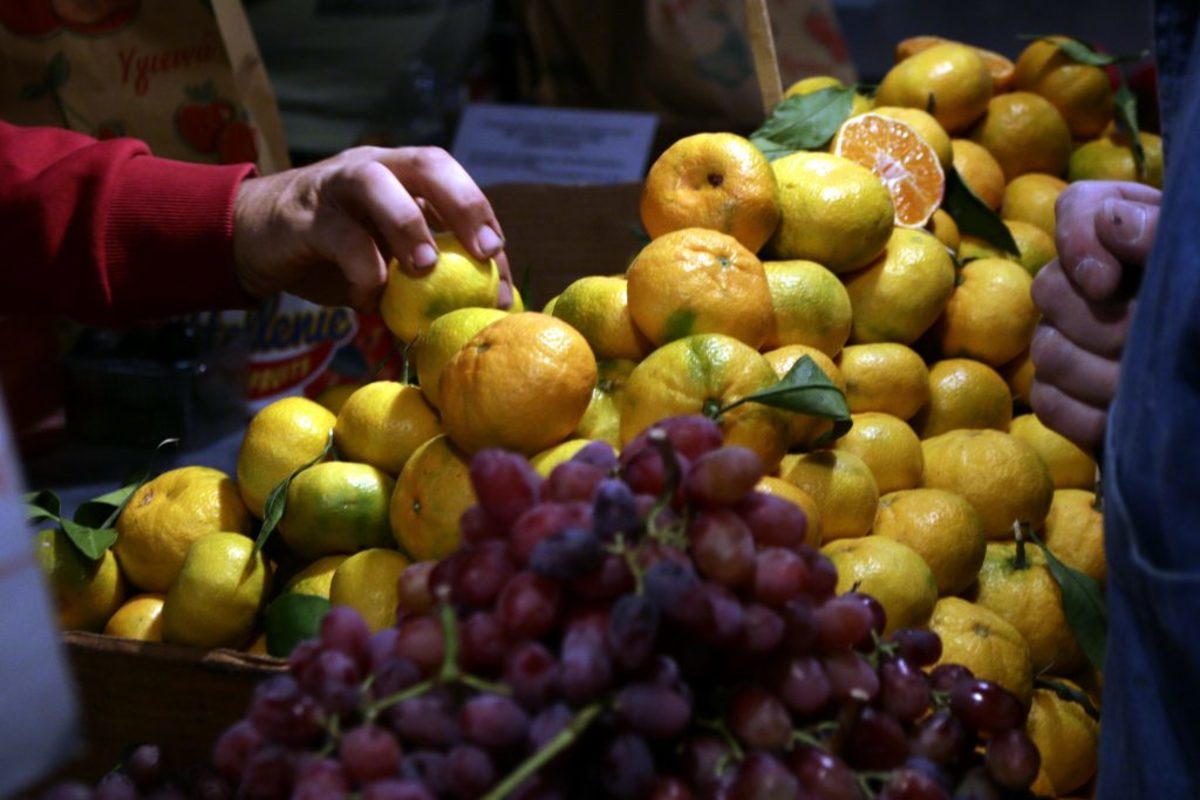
pixel 106 233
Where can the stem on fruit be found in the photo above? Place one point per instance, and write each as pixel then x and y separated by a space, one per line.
pixel 383 703
pixel 719 727
pixel 1020 560
pixel 480 685
pixel 565 738
pixel 333 730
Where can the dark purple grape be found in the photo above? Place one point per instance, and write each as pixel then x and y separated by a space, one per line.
pixel 976 784
pixel 614 511
pixel 723 477
pixel 668 787
pixel 692 435
pixel 667 584
pixel 547 724
pixel 632 631
pixel 567 555
pixel 205 783
pixel 911 784
pixel 822 574
pixel 876 614
pixel 234 747
pixel 799 626
pixel 642 467
pixel 875 741
pixel 394 675
pixel 628 772
pixel 851 677
pixel 1012 759
pixel 704 759
pixel 941 738
pixel 653 711
pixel 761 776
pixel 723 618
pixel 529 606
pixel 166 791
pixel 903 690
pixel 532 673
pixel 428 720
pixel 68 790
pixel 986 706
pixel 722 547
pixel 421 641
pixel 369 753
pixel 545 519
pixel 269 775
pixel 414 593
pixel 476 526
pixel 482 572
pixel 494 722
pixel 773 521
pixel 917 646
pixel 762 631
pixel 334 679
pixel 145 764
pixel 779 576
pixel 284 713
pixel 759 719
pixel 505 484
pixel 611 579
pixel 302 658
pixel 320 778
pixel 944 677
pixel 343 629
pixel 599 454
pixel 585 667
pixel 116 786
pixel 381 647
pixel 842 623
pixel 397 789
pixel 482 643
pixel 823 775
pixel 471 771
pixel 429 769
pixel 572 480
pixel 803 686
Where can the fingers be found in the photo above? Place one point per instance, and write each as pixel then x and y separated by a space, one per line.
pixel 1081 423
pixel 1087 261
pixel 504 296
pixel 1098 327
pixel 1074 371
pixel 340 240
pixel 1127 229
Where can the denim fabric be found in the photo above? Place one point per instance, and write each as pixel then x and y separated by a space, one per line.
pixel 1150 739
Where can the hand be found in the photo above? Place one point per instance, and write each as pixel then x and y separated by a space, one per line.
pixel 325 232
pixel 1105 230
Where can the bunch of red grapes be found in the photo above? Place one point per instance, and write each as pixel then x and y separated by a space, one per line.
pixel 648 626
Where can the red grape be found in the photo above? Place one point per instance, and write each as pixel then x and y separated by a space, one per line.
pixel 632 631
pixel 421 642
pixel 280 711
pixel 653 711
pixel 572 480
pixel 759 719
pixel 722 547
pixel 471 771
pixel 851 677
pixel 343 629
pixel 1012 759
pixel 875 741
pixel 628 772
pixel 532 673
pixel 529 606
pixel 761 776
pixel 396 789
pixel 234 747
pixel 917 646
pixel 477 526
pixel 482 643
pixel 773 521
pixel 482 571
pixel 567 554
pixel 414 593
pixel 779 576
pixel 723 477
pixel 803 685
pixel 505 484
pixel 369 753
pixel 494 722
pixel 545 519
pixel 598 454
pixel 986 706
pixel 823 775
pixel 903 690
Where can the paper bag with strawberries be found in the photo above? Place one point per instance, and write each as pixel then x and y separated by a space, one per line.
pixel 184 76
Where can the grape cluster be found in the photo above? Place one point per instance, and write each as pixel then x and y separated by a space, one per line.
pixel 641 626
pixel 144 773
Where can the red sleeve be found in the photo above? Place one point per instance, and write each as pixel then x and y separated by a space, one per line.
pixel 107 233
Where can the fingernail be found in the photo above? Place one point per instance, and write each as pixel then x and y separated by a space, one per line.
pixel 488 241
pixel 1088 272
pixel 504 296
pixel 1128 219
pixel 424 256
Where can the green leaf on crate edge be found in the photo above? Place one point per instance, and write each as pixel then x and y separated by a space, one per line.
pixel 1126 116
pixel 973 216
pixel 1081 52
pixel 804 122
pixel 292 618
pixel 805 389
pixel 277 500
pixel 1083 604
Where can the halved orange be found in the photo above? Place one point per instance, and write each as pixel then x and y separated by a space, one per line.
pixel 906 163
pixel 1003 70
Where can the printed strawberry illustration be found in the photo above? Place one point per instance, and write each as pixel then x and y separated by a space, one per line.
pixel 29 17
pixel 201 120
pixel 821 28
pixel 43 17
pixel 237 143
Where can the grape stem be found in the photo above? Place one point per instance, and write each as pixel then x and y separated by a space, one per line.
pixel 719 727
pixel 565 738
pixel 449 672
pixel 333 729
pixel 416 690
pixel 480 685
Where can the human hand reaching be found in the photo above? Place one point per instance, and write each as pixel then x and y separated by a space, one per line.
pixel 325 232
pixel 1104 233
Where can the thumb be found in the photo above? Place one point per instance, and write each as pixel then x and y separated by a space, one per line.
pixel 1126 229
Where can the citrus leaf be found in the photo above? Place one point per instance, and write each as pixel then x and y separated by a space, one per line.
pixel 526 287
pixel 805 389
pixel 973 216
pixel 772 150
pixel 277 500
pixel 1083 604
pixel 1070 694
pixel 41 506
pixel 91 542
pixel 1126 115
pixel 1083 53
pixel 804 122
pixel 291 619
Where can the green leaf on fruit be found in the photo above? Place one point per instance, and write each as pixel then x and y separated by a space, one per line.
pixel 1126 116
pixel 804 122
pixel 1083 605
pixel 88 540
pixel 526 287
pixel 973 216
pixel 805 389
pixel 292 618
pixel 276 503
pixel 1070 694
pixel 1083 53
pixel 41 506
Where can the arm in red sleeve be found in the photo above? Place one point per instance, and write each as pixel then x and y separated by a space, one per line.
pixel 107 233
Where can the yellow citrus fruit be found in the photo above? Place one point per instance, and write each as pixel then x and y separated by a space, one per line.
pixel 445 337
pixel 889 448
pixel 991 316
pixel 431 495
pixel 1001 68
pixel 1003 478
pixel 1082 93
pixel 544 462
pixel 283 436
pixel 316 578
pixel 811 306
pixel 522 383
pixel 1110 158
pixel 718 181
pixel 891 572
pixel 963 393
pixel 1030 198
pixel 86 592
pixel 140 618
pixel 834 212
pixel 943 226
pixel 701 375
pixel 949 80
pixel 940 525
pixel 333 397
pixel 926 127
pixel 842 485
pixel 804 430
pixel 694 281
pixel 1070 467
pixel 859 104
pixel 217 596
pixel 1074 531
pixel 899 296
pixel 369 582
pixel 1024 133
pixel 769 484
pixel 602 418
pixel 984 643
pixel 337 507
pixel 598 307
pixel 899 156
pixel 383 423
pixel 518 302
pixel 458 280
pixel 1018 373
pixel 1067 738
pixel 884 376
pixel 1035 247
pixel 168 513
pixel 548 309
pixel 980 171
pixel 1026 595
